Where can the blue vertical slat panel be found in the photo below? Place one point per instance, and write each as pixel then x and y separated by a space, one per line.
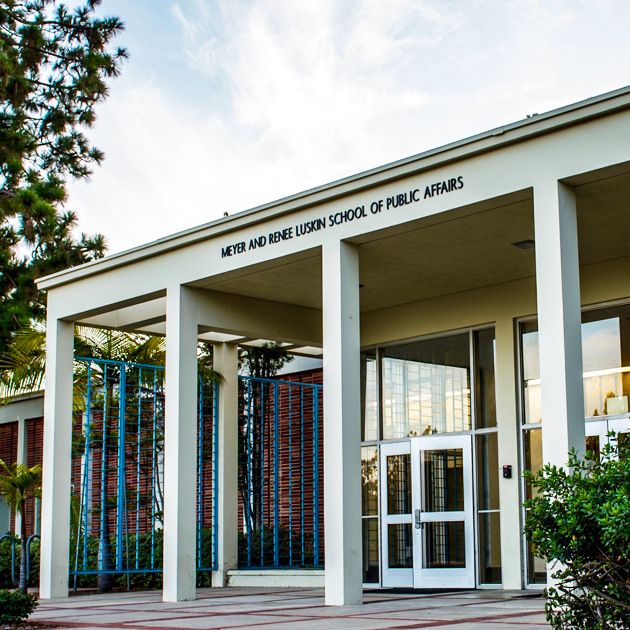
pixel 200 475
pixel 261 507
pixel 248 502
pixel 281 484
pixel 302 540
pixel 315 476
pixel 120 506
pixel 276 477
pixel 215 475
pixel 290 476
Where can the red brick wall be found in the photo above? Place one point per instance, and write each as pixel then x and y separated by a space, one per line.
pixel 8 451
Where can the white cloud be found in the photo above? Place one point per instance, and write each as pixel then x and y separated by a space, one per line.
pixel 242 102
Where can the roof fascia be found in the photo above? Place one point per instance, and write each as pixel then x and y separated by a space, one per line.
pixel 529 128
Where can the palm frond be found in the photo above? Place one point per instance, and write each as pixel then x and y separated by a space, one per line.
pixel 23 367
pixel 19 483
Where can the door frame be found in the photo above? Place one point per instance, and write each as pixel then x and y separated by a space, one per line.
pixel 416 576
pixel 443 578
pixel 392 577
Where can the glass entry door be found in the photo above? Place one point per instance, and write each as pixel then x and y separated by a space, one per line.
pixel 427 513
pixel 443 530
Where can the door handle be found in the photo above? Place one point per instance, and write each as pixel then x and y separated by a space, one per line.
pixel 418 520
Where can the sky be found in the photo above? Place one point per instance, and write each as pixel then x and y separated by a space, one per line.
pixel 224 105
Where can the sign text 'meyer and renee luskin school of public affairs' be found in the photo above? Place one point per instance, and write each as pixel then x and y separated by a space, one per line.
pixel 345 216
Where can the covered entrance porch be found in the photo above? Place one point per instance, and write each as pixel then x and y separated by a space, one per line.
pixel 379 264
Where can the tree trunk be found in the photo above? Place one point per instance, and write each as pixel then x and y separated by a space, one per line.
pixel 23 584
pixel 105 581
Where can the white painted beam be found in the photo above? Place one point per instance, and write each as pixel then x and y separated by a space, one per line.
pixel 258 319
pixel 180 447
pixel 55 530
pixel 130 317
pixel 559 321
pixel 225 361
pixel 342 424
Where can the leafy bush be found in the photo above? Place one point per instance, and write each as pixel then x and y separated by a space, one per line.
pixel 6 580
pixel 262 550
pixel 16 607
pixel 580 518
pixel 5 563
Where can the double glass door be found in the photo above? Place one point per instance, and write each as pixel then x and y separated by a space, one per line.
pixel 427 512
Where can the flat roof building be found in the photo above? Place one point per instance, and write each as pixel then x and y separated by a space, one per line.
pixel 472 308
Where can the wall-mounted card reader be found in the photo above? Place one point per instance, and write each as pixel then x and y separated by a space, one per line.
pixel 507 472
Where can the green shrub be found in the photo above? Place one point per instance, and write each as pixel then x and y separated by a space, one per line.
pixel 16 607
pixel 580 518
pixel 5 563
pixel 262 550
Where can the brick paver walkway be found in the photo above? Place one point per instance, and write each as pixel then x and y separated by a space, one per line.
pixel 297 609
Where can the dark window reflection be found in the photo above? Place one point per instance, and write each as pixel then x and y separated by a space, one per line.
pixel 400 546
pixel 399 484
pixel 445 545
pixel 369 473
pixel 443 480
pixel 485 374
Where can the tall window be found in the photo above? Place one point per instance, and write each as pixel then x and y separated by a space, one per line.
pixel 606 361
pixel 421 388
pixel 426 387
pixel 606 373
pixel 369 471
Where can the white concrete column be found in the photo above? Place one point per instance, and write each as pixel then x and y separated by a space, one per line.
pixel 225 361
pixel 55 534
pixel 342 424
pixel 22 458
pixel 507 437
pixel 180 446
pixel 559 321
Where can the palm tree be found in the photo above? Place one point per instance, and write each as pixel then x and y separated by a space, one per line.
pixel 23 366
pixel 17 484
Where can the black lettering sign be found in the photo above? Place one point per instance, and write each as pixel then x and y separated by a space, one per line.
pixel 344 216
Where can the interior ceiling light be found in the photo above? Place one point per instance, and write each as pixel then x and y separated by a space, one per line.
pixel 528 244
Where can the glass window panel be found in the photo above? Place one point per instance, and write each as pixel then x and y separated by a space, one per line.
pixel 592 444
pixel 485 350
pixel 488 471
pixel 443 480
pixel 603 375
pixel 623 441
pixel 536 567
pixel 533 454
pixel 370 551
pixel 445 545
pixel 426 387
pixel 490 547
pixel 399 546
pixel 369 398
pixel 531 372
pixel 369 473
pixel 399 484
pixel 606 362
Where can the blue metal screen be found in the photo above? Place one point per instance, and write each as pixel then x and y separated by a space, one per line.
pixel 280 474
pixel 118 470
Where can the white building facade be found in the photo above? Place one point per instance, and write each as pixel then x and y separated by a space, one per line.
pixel 472 307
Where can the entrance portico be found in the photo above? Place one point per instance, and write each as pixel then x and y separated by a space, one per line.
pixel 436 245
